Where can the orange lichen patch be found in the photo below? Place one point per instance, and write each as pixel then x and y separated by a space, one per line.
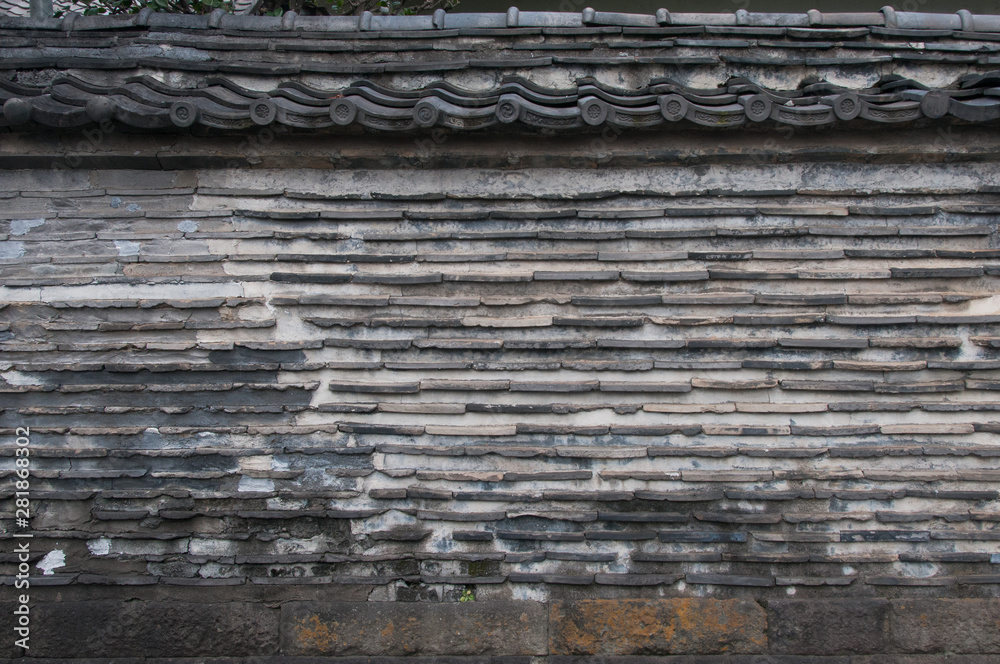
pixel 312 632
pixel 694 619
pixel 654 627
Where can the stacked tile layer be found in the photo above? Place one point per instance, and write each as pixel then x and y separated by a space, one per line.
pixel 715 386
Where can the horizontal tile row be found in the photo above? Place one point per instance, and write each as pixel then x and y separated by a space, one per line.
pixel 145 102
pixel 554 219
pixel 97 442
pixel 886 21
pixel 583 579
pixel 563 234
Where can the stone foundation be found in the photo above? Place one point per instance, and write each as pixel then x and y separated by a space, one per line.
pixel 223 626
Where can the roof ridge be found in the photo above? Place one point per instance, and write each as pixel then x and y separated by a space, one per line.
pixel 69 101
pixel 14 15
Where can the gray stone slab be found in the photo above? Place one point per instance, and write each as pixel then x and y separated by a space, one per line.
pixel 944 625
pixel 828 626
pixel 68 630
pixel 413 629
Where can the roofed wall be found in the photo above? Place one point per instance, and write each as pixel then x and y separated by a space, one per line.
pixel 678 358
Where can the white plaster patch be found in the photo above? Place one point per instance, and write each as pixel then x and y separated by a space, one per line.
pixel 214 571
pixel 252 485
pixel 127 247
pixel 917 570
pixel 261 462
pixel 20 378
pixel 440 541
pixel 984 306
pixel 22 226
pixel 701 591
pixel 532 593
pixel 99 547
pixel 211 547
pixel 302 545
pixel 387 521
pixel 286 504
pixel 187 226
pixel 10 249
pixel 52 560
